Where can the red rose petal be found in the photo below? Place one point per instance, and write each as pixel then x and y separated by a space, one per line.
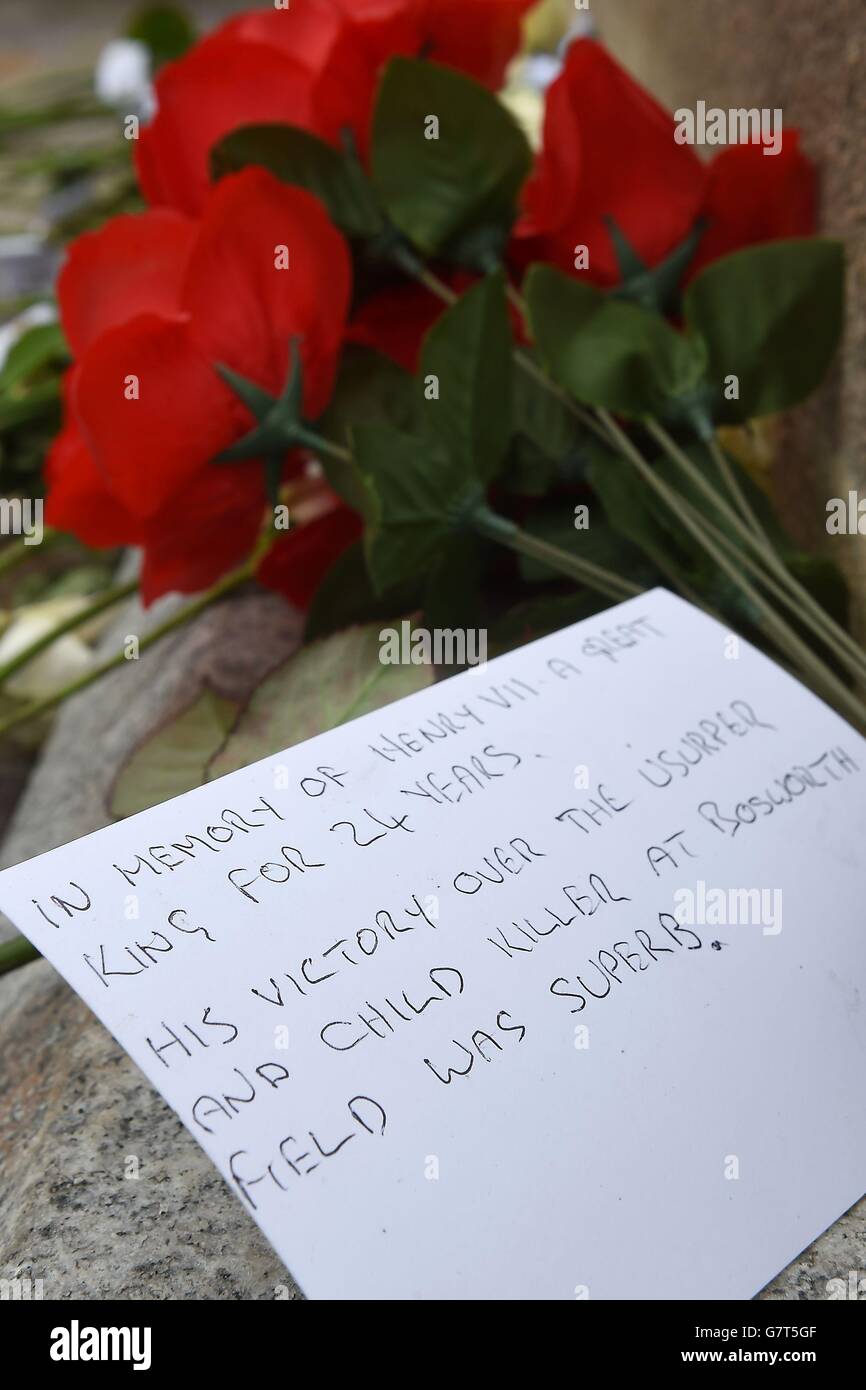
pixel 609 150
pixel 245 309
pixel 752 197
pixel 132 265
pixel 219 85
pixel 479 39
pixel 298 562
pixel 207 530
pixel 78 500
pixel 148 448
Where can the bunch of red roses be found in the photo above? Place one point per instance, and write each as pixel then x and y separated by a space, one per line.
pixel 153 304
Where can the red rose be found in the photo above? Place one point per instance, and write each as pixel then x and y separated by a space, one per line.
pixel 478 37
pixel 396 320
pixel 750 197
pixel 297 563
pixel 316 65
pixel 609 150
pixel 150 304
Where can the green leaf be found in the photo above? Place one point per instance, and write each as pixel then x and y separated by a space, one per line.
pixel 549 444
pixel 295 156
pixel 417 490
pixel 322 686
pixel 599 543
pixel 39 405
pixel 606 352
pixel 527 471
pixel 468 352
pixel 174 759
pixel 465 182
pixel 346 597
pixel 165 30
pixel 370 389
pixel 540 416
pixel 37 348
pixel 537 617
pixel 415 497
pixel 631 506
pixel 772 316
pixel 453 595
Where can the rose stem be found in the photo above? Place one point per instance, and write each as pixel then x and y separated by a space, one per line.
pixel 800 599
pixel 774 625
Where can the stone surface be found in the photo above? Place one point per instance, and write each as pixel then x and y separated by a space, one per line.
pixel 76 1118
pixel 73 1108
pixel 838 1253
pixel 15 765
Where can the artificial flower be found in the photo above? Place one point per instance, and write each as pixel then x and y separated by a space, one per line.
pixel 151 305
pixel 609 152
pixel 314 64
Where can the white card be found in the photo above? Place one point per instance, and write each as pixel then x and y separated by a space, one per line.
pixel 546 982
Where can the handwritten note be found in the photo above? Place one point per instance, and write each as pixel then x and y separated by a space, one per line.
pixel 546 982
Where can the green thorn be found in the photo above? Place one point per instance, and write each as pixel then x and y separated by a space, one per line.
pixel 294 387
pixel 630 264
pixel 671 270
pixel 657 289
pixel 254 397
pixel 278 419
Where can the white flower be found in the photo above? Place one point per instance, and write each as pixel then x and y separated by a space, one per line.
pixel 68 657
pixel 539 70
pixel 122 77
pixel 527 107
